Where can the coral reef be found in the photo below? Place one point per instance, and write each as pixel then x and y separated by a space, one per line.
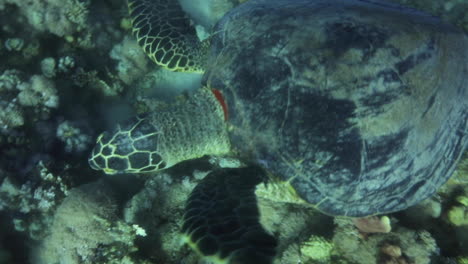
pixel 37 95
pixel 50 67
pixel 373 224
pixel 90 79
pixel 71 68
pixel 65 64
pixel 426 211
pixel 298 227
pixel 158 209
pixel 416 246
pixel 74 138
pixel 14 44
pixel 34 201
pixel 458 215
pixel 38 92
pixel 62 18
pixel 86 229
pixel 132 61
pixel 317 249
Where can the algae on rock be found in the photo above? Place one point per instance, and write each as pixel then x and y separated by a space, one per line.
pixel 86 229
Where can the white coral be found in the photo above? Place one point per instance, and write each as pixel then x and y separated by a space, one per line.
pixel 38 91
pixel 132 61
pixel 66 63
pixel 60 17
pixel 74 138
pixel 10 116
pixel 45 197
pixel 9 80
pixel 14 44
pixel 139 231
pixel 16 95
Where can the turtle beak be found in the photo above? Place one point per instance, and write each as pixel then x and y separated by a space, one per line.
pixel 109 171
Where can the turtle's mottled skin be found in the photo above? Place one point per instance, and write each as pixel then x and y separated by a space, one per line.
pixel 359 105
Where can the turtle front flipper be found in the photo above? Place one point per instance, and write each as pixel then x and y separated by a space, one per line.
pixel 164 32
pixel 222 219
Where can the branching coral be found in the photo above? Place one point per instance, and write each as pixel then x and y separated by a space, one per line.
pixel 90 79
pixel 39 91
pixel 75 139
pixel 56 16
pixel 11 114
pixel 17 96
pixel 50 66
pixel 34 200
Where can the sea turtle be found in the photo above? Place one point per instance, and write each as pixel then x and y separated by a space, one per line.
pixel 358 107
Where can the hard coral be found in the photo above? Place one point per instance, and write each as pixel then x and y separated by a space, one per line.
pixel 86 229
pixel 74 137
pixel 34 200
pixel 373 224
pixel 391 254
pixel 416 247
pixel 60 17
pixel 458 215
pixel 14 44
pixel 38 91
pixel 132 61
pixel 18 96
pixel 317 248
pixel 11 116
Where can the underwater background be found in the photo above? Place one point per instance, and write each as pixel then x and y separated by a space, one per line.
pixel 70 69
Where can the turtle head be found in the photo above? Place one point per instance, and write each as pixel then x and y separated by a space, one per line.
pixel 130 148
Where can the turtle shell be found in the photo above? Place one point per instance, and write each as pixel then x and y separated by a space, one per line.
pixel 360 105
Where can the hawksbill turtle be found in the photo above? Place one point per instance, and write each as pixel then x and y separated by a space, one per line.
pixel 358 107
